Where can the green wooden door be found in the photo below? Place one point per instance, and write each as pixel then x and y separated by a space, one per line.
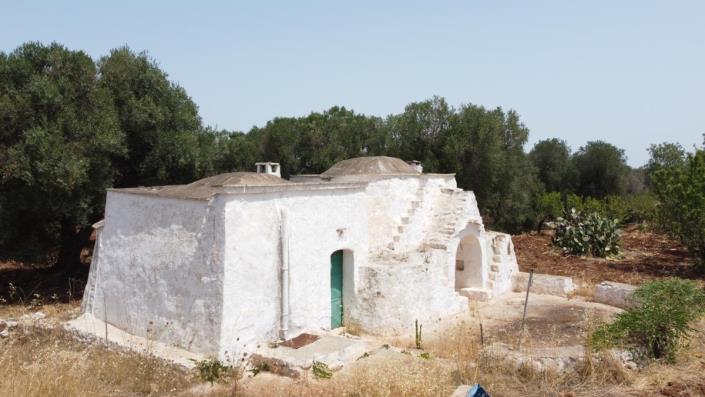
pixel 336 289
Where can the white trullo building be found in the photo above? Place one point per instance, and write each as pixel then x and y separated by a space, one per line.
pixel 236 260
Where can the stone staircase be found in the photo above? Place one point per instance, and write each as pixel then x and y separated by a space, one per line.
pixel 451 208
pixel 412 213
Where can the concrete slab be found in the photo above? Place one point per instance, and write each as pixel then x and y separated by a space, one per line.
pixel 333 350
pixel 89 327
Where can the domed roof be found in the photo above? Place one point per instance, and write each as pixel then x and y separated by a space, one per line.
pixel 207 187
pixel 373 165
pixel 238 179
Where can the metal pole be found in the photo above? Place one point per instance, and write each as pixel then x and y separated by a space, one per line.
pixel 284 236
pixel 526 300
pixel 482 336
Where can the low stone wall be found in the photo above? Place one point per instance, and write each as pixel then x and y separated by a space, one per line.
pixel 615 294
pixel 543 284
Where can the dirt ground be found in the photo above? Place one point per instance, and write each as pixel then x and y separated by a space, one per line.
pixel 645 256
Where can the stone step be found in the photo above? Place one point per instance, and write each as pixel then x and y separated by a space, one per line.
pixel 415 204
pixel 494 268
pixel 396 238
pixel 400 229
pixel 405 220
pixel 476 294
pixel 437 245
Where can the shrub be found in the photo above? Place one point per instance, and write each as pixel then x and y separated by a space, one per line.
pixel 321 370
pixel 572 200
pixel 211 370
pixel 550 207
pixel 640 208
pixel 594 234
pixel 593 205
pixel 681 192
pixel 659 323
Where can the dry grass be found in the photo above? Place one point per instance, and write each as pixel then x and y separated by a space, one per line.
pixel 49 362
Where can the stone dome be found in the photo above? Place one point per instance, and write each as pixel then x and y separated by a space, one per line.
pixel 207 187
pixel 238 179
pixel 373 165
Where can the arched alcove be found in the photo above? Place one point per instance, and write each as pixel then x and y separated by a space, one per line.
pixel 468 263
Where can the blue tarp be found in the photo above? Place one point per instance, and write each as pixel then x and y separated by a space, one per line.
pixel 477 391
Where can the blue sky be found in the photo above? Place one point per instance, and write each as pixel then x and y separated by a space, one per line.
pixel 628 72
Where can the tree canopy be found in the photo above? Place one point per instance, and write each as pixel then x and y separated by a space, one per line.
pixel 679 184
pixel 71 127
pixel 601 169
pixel 552 160
pixel 165 143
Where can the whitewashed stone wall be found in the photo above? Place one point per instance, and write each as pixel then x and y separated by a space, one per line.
pixel 391 298
pixel 158 270
pixel 205 275
pixel 319 223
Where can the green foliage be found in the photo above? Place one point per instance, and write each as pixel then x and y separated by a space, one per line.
pixel 485 149
pixel 165 141
pixel 628 209
pixel 58 136
pixel 601 170
pixel 70 129
pixel 573 201
pixel 262 367
pixel 551 157
pixel 593 205
pixel 321 370
pixel 418 133
pixel 312 144
pixel 418 329
pixel 659 323
pixel 550 207
pixel 664 155
pixel 680 188
pixel 211 370
pixel 594 234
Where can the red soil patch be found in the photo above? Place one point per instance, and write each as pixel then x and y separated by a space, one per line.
pixel 300 341
pixel 645 256
pixel 677 389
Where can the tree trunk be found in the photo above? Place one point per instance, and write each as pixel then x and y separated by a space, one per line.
pixel 73 240
pixel 539 228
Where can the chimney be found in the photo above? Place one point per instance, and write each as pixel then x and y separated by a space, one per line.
pixel 416 165
pixel 268 168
